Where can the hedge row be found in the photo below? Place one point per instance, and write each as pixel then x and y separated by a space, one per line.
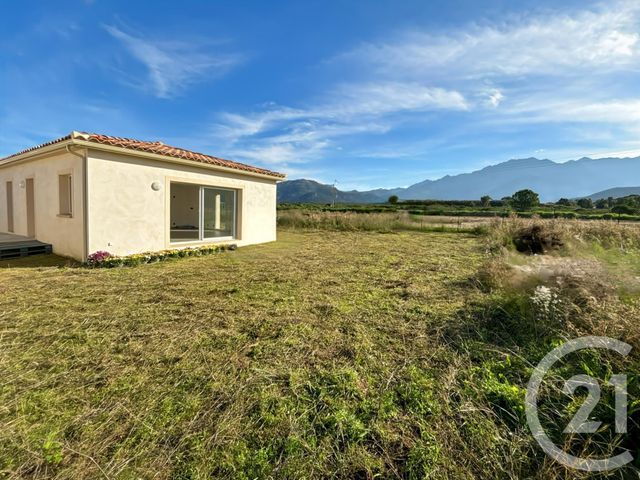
pixel 107 260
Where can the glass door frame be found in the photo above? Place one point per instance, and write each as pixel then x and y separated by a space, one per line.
pixel 201 237
pixel 201 214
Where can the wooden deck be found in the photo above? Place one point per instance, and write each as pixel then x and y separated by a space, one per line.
pixel 12 246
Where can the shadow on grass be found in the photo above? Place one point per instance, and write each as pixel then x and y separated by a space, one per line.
pixel 39 261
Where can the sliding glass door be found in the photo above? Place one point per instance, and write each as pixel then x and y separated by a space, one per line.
pixel 201 213
pixel 219 213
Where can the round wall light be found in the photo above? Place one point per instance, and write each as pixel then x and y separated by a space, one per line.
pixel 22 184
pixel 155 186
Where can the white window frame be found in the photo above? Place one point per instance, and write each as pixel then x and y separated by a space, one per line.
pixel 69 180
pixel 10 206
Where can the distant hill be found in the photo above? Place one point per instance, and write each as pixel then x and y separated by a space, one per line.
pixel 310 191
pixel 615 193
pixel 573 179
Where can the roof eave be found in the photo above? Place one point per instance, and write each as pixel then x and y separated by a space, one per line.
pixel 37 152
pixel 77 139
pixel 169 159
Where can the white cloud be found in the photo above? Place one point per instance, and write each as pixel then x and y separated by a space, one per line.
pixel 618 154
pixel 615 111
pixel 172 65
pixel 280 154
pixel 282 136
pixel 553 68
pixel 605 38
pixel 387 97
pixel 289 143
pixel 233 126
pixel 343 110
pixel 493 97
pixel 562 107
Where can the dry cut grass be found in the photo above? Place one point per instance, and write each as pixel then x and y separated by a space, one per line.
pixel 329 354
pixel 312 357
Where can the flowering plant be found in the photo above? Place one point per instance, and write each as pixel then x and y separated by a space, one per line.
pixel 546 303
pixel 107 260
pixel 98 257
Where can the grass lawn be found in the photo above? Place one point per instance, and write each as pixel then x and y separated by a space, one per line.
pixel 274 358
pixel 325 354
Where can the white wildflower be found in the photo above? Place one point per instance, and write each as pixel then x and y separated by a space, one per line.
pixel 546 302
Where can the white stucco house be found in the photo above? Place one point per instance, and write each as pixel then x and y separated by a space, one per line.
pixel 86 192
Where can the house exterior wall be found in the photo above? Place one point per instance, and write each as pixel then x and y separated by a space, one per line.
pixel 66 235
pixel 127 216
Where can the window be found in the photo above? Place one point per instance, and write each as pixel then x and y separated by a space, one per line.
pixel 65 189
pixel 201 213
pixel 10 206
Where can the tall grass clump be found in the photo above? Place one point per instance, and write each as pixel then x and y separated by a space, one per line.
pixel 341 221
pixel 587 285
pixel 536 236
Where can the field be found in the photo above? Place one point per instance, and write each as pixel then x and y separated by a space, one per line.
pixel 330 353
pixel 468 209
pixel 378 222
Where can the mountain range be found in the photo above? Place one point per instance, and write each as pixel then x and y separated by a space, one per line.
pixel 615 193
pixel 551 180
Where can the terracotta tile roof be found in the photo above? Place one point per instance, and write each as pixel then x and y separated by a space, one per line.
pixel 42 145
pixel 158 148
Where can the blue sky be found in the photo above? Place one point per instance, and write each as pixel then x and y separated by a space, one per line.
pixel 371 94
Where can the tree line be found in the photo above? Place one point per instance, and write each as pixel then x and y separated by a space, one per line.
pixel 527 199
